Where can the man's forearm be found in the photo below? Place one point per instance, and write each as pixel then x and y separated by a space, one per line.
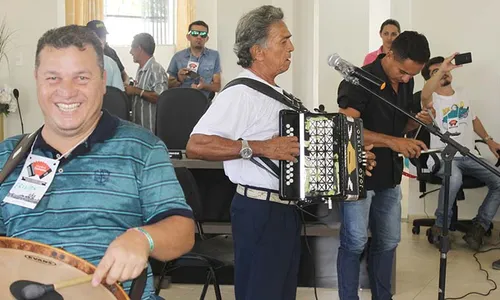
pixel 430 87
pixel 479 128
pixel 411 125
pixel 377 139
pixel 173 237
pixel 216 148
pixel 149 96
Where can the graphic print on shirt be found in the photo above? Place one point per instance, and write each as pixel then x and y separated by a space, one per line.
pixel 455 115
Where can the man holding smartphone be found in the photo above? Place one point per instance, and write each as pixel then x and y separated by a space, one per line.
pixel 454 114
pixel 196 67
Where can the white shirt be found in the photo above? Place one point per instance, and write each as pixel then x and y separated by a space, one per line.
pixel 242 112
pixel 453 114
pixel 114 77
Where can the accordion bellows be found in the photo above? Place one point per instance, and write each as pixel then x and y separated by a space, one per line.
pixel 332 160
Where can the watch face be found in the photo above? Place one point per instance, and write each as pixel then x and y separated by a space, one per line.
pixel 246 153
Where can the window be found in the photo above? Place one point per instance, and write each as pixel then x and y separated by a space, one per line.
pixel 126 18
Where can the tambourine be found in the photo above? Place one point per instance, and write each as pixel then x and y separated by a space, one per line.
pixel 23 261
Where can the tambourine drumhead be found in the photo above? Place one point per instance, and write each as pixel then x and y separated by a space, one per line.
pixel 27 260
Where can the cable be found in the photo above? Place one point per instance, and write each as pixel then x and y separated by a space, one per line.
pixel 425 209
pixel 310 252
pixel 495 247
pixel 310 214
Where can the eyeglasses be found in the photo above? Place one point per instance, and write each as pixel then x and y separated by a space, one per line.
pixel 196 33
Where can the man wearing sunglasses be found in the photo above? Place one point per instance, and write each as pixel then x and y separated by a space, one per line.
pixel 197 66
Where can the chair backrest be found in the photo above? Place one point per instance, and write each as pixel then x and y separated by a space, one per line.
pixel 191 191
pixel 177 112
pixel 117 103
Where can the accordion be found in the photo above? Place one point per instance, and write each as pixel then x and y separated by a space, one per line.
pixel 332 161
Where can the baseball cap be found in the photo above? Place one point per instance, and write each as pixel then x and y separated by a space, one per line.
pixel 98 27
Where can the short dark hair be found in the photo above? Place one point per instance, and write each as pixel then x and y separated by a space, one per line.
pixel 68 36
pixel 199 23
pixel 390 22
pixel 145 41
pixel 411 45
pixel 425 70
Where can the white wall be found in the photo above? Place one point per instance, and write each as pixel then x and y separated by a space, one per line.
pixel 29 20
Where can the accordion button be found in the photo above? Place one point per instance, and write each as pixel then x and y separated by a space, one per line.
pixel 291 129
pixel 291 169
pixel 287 125
pixel 291 180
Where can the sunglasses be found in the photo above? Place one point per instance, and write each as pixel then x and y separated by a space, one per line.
pixel 196 33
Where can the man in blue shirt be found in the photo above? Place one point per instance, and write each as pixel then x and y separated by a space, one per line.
pixel 113 198
pixel 197 66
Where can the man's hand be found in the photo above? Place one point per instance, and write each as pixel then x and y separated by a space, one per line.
pixel 182 74
pixel 425 116
pixel 200 86
pixel 125 259
pixel 281 148
pixel 447 65
pixel 494 147
pixel 370 160
pixel 408 147
pixel 131 90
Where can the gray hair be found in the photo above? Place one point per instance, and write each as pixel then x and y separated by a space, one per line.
pixel 253 29
pixel 71 35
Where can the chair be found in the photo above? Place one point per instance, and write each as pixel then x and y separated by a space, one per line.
pixel 177 112
pixel 210 253
pixel 117 103
pixel 425 176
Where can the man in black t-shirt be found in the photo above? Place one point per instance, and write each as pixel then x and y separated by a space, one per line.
pixel 99 28
pixel 385 129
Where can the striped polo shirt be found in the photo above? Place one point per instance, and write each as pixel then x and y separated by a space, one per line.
pixel 120 177
pixel 153 78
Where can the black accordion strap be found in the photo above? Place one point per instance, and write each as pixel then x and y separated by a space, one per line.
pixel 285 98
pixel 275 169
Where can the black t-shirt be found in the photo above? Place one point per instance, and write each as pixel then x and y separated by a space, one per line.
pixel 108 51
pixel 379 117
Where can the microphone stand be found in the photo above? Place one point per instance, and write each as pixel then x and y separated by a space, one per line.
pixel 452 147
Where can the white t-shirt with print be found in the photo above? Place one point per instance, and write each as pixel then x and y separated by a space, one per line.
pixel 453 114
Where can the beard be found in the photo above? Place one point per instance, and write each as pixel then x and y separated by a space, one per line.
pixel 445 81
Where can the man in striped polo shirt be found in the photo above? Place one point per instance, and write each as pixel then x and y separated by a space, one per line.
pixel 114 199
pixel 151 80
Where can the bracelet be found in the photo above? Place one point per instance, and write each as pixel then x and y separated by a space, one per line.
pixel 142 92
pixel 488 138
pixel 148 236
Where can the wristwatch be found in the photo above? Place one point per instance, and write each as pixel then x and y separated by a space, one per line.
pixel 245 152
pixel 487 138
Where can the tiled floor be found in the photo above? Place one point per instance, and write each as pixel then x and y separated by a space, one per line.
pixel 417 273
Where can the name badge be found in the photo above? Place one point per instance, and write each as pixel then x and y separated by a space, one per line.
pixel 193 66
pixel 35 179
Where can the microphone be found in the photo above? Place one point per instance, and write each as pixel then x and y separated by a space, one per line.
pixel 16 95
pixel 352 73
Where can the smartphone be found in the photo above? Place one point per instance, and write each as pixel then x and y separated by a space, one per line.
pixel 193 75
pixel 463 58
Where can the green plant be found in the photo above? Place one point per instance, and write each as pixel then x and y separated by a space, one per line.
pixel 5 35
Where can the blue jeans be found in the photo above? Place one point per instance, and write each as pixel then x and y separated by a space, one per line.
pixel 381 213
pixel 466 166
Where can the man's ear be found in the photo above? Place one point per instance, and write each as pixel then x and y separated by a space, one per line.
pixel 257 52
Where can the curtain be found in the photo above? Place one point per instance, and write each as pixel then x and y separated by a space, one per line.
pixel 82 11
pixel 185 15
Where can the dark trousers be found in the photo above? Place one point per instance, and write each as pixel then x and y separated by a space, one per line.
pixel 267 249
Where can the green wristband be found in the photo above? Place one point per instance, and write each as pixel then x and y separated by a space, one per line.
pixel 148 236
